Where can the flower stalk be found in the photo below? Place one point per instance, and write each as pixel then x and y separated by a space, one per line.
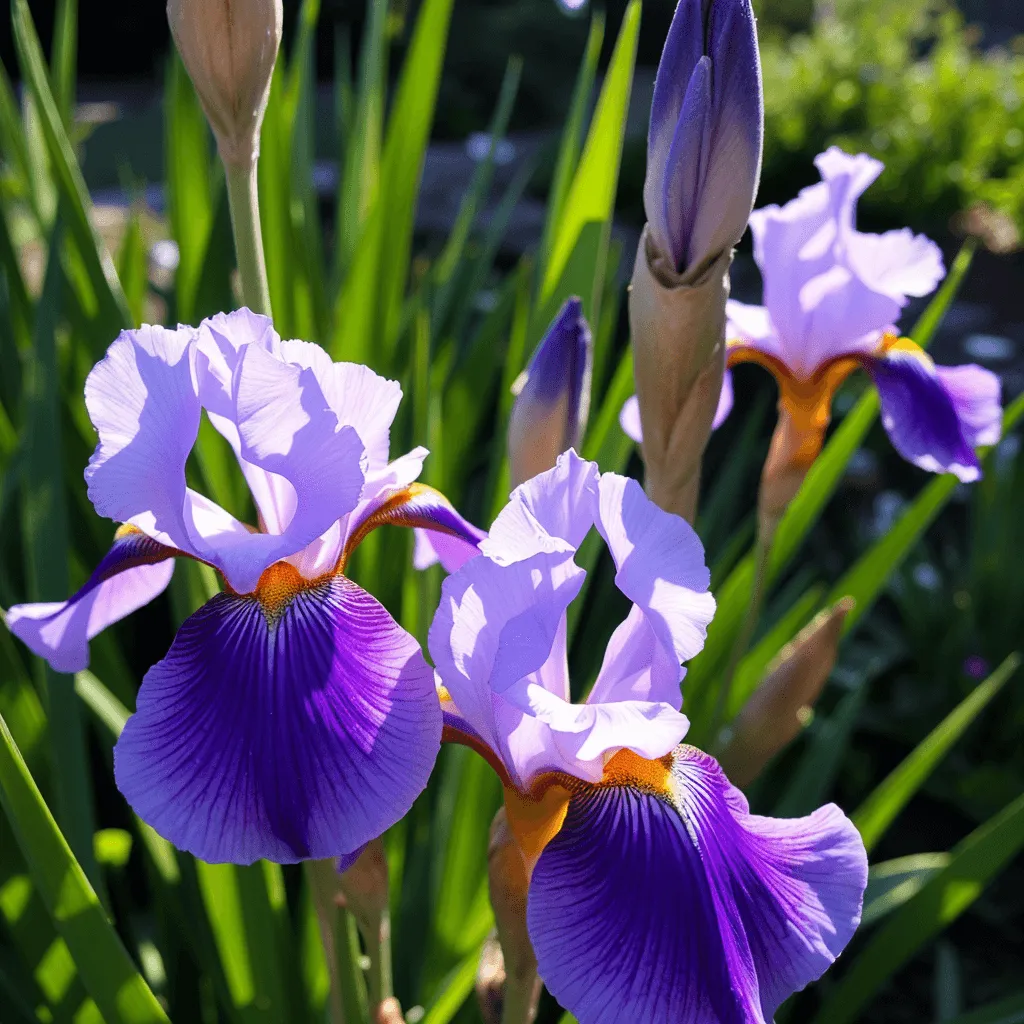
pixel 243 201
pixel 348 998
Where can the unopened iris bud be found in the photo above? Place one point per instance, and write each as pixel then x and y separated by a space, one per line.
pixel 784 701
pixel 229 48
pixel 553 396
pixel 703 164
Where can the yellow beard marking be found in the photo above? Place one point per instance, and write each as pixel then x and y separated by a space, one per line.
pixel 629 769
pixel 278 586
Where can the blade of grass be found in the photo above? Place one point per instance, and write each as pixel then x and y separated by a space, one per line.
pixel 64 57
pixel 1006 1011
pixel 44 527
pixel 402 160
pixel 893 882
pixel 106 970
pixel 188 171
pixel 113 313
pixel 454 991
pixel 880 809
pixel 975 861
pixel 580 247
pixel 572 136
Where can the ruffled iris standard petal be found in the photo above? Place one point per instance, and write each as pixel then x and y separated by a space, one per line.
pixel 297 726
pixel 935 415
pixel 659 564
pixel 143 402
pixel 662 900
pixel 552 512
pixel 133 572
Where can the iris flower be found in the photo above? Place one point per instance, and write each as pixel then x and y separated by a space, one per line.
pixel 654 894
pixel 292 717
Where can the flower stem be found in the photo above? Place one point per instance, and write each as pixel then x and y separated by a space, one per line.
pixel 521 996
pixel 762 551
pixel 243 199
pixel 349 1003
pixel 378 947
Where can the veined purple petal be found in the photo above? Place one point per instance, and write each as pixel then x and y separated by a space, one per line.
pixel 551 409
pixel 143 402
pixel 674 905
pixel 551 512
pixel 133 572
pixel 848 178
pixel 933 419
pixel 659 563
pixel 300 726
pixel 976 396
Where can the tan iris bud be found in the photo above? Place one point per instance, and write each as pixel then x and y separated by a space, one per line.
pixel 229 48
pixel 678 328
pixel 783 703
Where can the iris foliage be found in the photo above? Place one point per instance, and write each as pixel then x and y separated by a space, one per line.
pixel 111 923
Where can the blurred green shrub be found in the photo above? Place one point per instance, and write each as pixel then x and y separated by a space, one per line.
pixel 907 81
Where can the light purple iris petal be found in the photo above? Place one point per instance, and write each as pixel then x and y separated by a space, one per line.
pixel 142 400
pixel 359 397
pixel 922 414
pixel 830 290
pixel 433 547
pixel 752 325
pixel 697 913
pixel 629 420
pixel 583 735
pixel 287 430
pixel 897 263
pixel 551 512
pixel 725 401
pixel 302 734
pixel 133 572
pixel 659 563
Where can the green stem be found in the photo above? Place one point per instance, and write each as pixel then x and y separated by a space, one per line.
pixel 519 1003
pixel 378 947
pixel 762 551
pixel 243 200
pixel 349 1003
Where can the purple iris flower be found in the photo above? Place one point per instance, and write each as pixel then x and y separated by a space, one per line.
pixel 654 894
pixel 831 296
pixel 706 133
pixel 292 717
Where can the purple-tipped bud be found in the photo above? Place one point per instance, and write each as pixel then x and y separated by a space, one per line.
pixel 706 134
pixel 552 396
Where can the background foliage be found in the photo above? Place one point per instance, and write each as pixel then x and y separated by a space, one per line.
pixel 99 917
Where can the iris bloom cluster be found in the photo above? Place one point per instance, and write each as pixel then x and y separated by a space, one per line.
pixel 654 894
pixel 292 717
